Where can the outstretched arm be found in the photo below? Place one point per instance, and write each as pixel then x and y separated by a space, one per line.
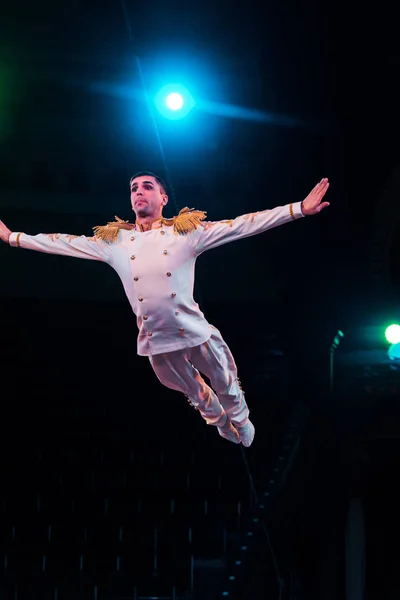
pixel 213 234
pixel 90 248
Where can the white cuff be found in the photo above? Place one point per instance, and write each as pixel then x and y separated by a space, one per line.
pixel 14 239
pixel 295 211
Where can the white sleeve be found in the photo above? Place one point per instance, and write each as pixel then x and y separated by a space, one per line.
pixel 213 234
pixel 90 248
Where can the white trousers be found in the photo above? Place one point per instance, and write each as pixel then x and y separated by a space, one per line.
pixel 181 370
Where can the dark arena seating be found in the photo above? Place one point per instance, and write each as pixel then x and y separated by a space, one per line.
pixel 112 486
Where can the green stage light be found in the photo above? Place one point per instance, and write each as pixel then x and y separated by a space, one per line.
pixel 392 333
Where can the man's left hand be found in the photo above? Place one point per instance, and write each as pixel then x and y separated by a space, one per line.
pixel 312 205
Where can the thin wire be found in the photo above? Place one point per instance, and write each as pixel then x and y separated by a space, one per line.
pixel 250 476
pixel 149 106
pixel 265 529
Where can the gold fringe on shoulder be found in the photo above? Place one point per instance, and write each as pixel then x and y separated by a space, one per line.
pixel 187 220
pixel 109 232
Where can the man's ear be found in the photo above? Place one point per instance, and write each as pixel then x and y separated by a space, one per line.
pixel 165 199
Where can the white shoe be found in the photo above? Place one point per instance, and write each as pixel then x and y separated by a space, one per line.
pixel 247 433
pixel 229 432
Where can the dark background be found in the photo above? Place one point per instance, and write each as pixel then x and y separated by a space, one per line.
pixel 75 125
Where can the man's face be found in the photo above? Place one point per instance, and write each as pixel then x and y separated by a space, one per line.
pixel 147 198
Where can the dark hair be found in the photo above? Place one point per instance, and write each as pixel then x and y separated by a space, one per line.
pixel 160 182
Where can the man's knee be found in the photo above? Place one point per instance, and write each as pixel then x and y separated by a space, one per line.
pixel 227 386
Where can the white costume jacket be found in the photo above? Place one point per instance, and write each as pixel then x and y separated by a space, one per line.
pixel 157 267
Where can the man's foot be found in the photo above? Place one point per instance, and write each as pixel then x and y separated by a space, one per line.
pixel 246 433
pixel 229 432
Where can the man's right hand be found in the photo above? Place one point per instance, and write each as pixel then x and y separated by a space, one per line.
pixel 4 233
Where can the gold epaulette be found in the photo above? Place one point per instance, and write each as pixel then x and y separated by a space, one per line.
pixel 187 220
pixel 109 232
